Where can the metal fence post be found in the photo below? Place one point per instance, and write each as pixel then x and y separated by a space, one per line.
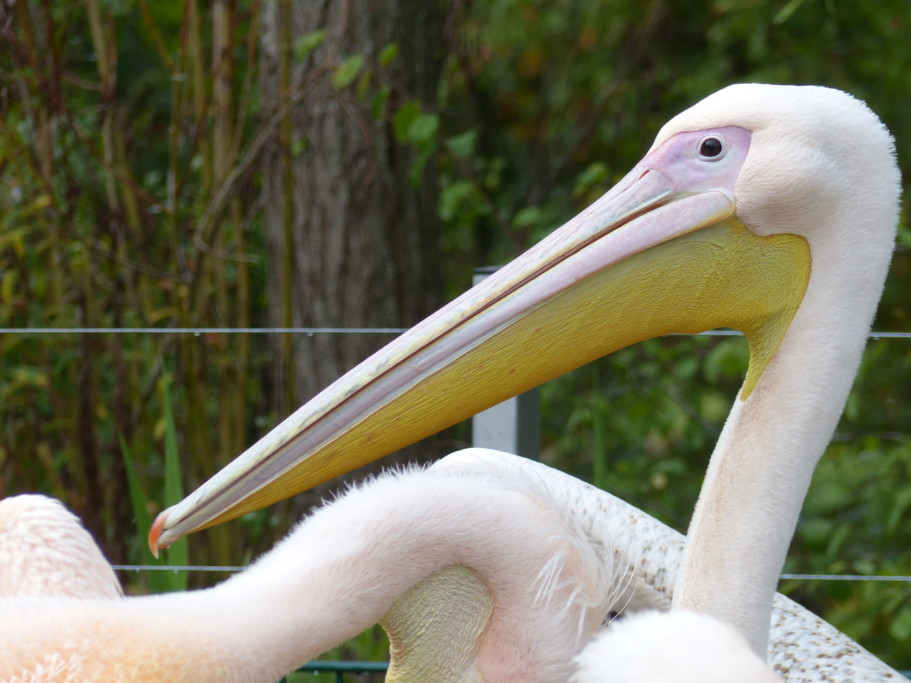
pixel 513 426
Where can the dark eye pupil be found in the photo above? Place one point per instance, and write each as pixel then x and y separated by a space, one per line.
pixel 711 147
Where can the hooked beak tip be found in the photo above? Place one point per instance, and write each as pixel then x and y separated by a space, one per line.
pixel 155 532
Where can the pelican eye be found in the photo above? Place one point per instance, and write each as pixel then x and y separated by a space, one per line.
pixel 712 148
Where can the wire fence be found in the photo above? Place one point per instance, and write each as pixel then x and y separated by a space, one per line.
pixel 782 577
pixel 875 336
pixel 339 669
pixel 197 331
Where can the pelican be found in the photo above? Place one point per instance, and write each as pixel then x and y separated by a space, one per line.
pixel 410 550
pixel 803 648
pixel 45 550
pixel 671 647
pixel 486 566
pixel 768 209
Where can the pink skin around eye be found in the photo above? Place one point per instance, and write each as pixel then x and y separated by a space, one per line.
pixel 679 160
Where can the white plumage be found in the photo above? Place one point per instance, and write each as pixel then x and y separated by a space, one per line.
pixel 536 558
pixel 671 647
pixel 821 166
pixel 803 648
pixel 392 551
pixel 45 550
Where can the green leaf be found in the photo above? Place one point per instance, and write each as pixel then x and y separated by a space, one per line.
pixel 713 406
pixel 178 554
pixel 904 236
pixel 388 53
pixel 417 168
pixel 299 145
pixel 852 406
pixel 137 499
pixel 347 71
pixel 304 45
pixel 785 12
pixel 594 174
pixel 528 217
pixel 28 376
pixel 422 130
pixel 402 119
pixel 837 540
pixel 900 628
pixel 728 359
pixel 379 102
pixel 455 196
pixel 900 502
pixel 173 489
pixel 159 581
pixel 462 145
pixel 363 84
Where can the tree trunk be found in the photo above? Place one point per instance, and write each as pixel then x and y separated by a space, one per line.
pixel 352 242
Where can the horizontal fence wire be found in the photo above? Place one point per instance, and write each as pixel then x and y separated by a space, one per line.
pixel 318 330
pixel 844 577
pixel 338 668
pixel 173 568
pixel 783 577
pixel 202 330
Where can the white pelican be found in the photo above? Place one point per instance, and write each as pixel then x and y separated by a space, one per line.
pixel 45 550
pixel 769 209
pixel 802 648
pixel 671 647
pixel 486 565
pixel 410 550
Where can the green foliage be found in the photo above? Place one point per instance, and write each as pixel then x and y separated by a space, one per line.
pixel 461 146
pixel 388 54
pixel 307 43
pixel 110 217
pixel 419 129
pixel 109 168
pixel 177 555
pixel 347 71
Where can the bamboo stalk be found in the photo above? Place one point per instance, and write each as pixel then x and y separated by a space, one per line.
pixel 242 358
pixel 40 117
pixel 124 208
pixel 286 342
pixel 39 113
pixel 222 72
pixel 195 353
pixel 242 390
pixel 234 382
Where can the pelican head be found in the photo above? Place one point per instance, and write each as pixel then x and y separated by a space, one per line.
pixel 749 204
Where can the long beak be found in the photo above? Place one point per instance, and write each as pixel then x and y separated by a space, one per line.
pixel 650 257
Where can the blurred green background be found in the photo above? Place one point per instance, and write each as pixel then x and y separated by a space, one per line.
pixel 153 157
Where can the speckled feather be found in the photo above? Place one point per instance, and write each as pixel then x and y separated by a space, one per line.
pixel 803 648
